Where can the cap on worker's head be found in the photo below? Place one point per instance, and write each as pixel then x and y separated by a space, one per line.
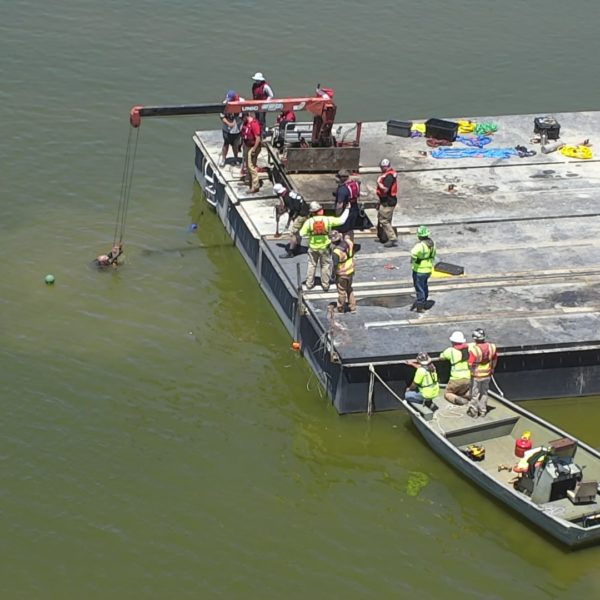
pixel 479 335
pixel 335 236
pixel 423 231
pixel 343 174
pixel 423 358
pixel 231 95
pixel 258 76
pixel 385 163
pixel 103 259
pixel 458 337
pixel 315 207
pixel 278 189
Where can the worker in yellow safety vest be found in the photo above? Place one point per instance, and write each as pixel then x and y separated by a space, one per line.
pixel 422 256
pixel 317 228
pixel 483 357
pixel 458 388
pixel 343 261
pixel 424 388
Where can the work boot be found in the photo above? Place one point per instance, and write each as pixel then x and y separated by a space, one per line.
pixel 390 244
pixel 420 309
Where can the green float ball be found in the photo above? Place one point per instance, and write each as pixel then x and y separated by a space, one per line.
pixel 49 279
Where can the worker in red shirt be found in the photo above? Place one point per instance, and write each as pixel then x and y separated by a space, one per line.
pixel 483 357
pixel 251 136
pixel 387 189
pixel 286 121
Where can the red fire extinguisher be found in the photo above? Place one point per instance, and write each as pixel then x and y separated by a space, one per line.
pixel 523 444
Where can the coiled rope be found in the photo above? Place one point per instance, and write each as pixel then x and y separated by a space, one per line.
pixel 466 126
pixel 486 128
pixel 476 141
pixel 473 153
pixel 581 152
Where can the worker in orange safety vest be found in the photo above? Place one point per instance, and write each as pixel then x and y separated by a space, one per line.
pixel 483 357
pixel 343 261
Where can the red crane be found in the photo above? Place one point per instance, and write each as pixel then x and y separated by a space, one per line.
pixel 321 106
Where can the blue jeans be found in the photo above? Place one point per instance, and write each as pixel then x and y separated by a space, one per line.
pixel 421 288
pixel 412 396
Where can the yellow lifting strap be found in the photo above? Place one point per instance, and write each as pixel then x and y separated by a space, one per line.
pixel 581 152
pixel 466 126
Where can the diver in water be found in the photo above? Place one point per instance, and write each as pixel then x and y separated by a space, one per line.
pixel 111 259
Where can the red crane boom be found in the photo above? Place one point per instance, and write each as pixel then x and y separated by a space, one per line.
pixel 321 106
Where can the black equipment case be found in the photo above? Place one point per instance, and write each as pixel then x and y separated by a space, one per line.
pixel 400 128
pixel 548 125
pixel 441 130
pixel 449 268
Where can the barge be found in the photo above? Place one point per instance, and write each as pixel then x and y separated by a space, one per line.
pixel 526 229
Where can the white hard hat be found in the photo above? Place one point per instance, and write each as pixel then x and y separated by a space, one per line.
pixel 315 207
pixel 458 337
pixel 258 76
pixel 385 163
pixel 278 189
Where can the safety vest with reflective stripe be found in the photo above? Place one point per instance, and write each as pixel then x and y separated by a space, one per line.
pixel 422 256
pixel 427 383
pixel 482 359
pixel 390 192
pixel 317 229
pixel 345 252
pixel 459 364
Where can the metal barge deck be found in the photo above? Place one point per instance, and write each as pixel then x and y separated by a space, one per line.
pixel 526 230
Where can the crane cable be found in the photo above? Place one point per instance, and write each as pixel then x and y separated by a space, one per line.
pixel 126 181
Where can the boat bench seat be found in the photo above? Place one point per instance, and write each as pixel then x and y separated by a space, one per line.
pixel 565 509
pixel 482 431
pixel 425 411
pixel 461 429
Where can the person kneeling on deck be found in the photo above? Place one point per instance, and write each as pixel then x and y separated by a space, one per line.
pixel 317 228
pixel 424 388
pixel 458 389
pixel 110 259
pixel 298 210
pixel 422 256
pixel 343 262
pixel 483 357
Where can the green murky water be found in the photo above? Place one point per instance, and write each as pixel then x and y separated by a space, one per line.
pixel 158 439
